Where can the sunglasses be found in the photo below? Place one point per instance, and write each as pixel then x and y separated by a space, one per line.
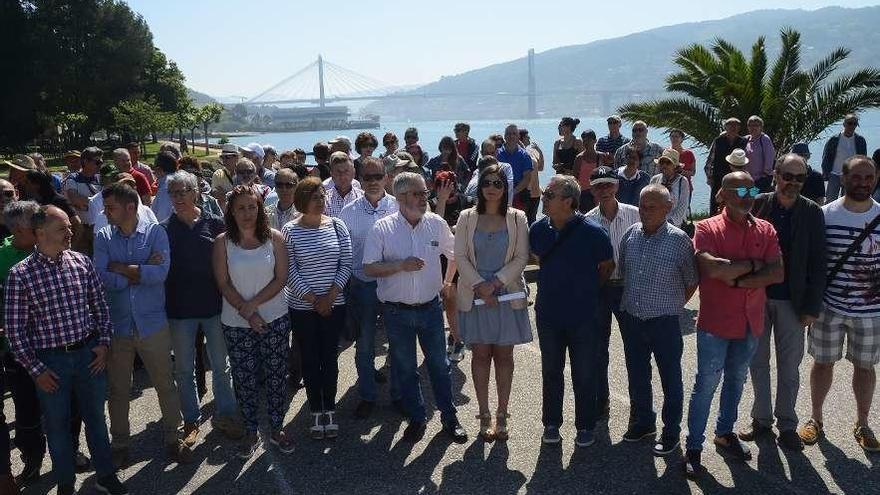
pixel 497 184
pixel 8 194
pixel 285 185
pixel 790 177
pixel 372 177
pixel 745 192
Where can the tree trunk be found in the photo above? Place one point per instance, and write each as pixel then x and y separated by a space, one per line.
pixel 192 136
pixel 206 138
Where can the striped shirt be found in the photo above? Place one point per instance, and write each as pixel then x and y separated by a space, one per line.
pixel 627 216
pixel 53 302
pixel 318 259
pixel 336 202
pixel 608 144
pixel 360 217
pixel 855 289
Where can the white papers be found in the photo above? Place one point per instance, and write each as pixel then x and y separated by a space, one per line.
pixel 504 298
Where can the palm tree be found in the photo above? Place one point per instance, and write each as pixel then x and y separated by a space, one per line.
pixel 720 82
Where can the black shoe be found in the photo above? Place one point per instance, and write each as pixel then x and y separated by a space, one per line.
pixel 380 377
pixel 398 406
pixel 729 444
pixel 30 472
pixel 790 440
pixel 666 446
pixel 636 433
pixel 414 431
pixel 755 431
pixel 66 489
pixel 692 464
pixel 81 462
pixel 364 409
pixel 111 484
pixel 455 431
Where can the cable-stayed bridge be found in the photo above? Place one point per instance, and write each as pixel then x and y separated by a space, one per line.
pixel 322 82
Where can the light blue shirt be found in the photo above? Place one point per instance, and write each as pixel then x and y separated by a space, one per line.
pixel 137 309
pixel 162 206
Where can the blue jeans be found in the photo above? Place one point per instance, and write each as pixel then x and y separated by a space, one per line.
pixel 183 339
pixel 582 343
pixel 715 356
pixel 404 327
pixel 833 189
pixel 661 337
pixel 363 305
pixel 72 369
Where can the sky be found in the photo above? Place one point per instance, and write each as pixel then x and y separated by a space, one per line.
pixel 241 48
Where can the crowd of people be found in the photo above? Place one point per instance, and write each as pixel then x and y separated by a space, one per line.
pixel 267 262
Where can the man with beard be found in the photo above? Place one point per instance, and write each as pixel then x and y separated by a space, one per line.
pixel 791 305
pixel 738 255
pixel 852 300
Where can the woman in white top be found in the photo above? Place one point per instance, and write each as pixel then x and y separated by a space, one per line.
pixel 319 249
pixel 670 176
pixel 250 263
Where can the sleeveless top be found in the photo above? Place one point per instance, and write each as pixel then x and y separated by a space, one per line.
pixel 250 270
pixel 566 158
pixel 586 170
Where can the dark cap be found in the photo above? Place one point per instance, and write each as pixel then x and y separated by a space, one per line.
pixel 108 173
pixel 604 175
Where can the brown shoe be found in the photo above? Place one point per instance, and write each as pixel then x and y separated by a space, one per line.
pixel 866 439
pixel 754 431
pixel 190 434
pixel 231 428
pixel 178 452
pixel 811 432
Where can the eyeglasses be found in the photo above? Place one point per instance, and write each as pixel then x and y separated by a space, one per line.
pixel 285 185
pixel 180 193
pixel 422 193
pixel 8 194
pixel 497 184
pixel 790 177
pixel 744 192
pixel 372 177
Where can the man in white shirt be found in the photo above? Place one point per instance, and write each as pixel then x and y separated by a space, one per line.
pixel 837 150
pixel 96 203
pixel 616 217
pixel 343 192
pixel 403 252
pixel 362 301
pixel 164 165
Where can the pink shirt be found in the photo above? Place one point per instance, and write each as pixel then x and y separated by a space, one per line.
pixel 726 311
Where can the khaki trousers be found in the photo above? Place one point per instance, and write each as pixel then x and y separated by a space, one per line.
pixel 155 352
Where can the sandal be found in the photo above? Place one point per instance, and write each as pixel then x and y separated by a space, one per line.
pixel 486 431
pixel 317 430
pixel 331 429
pixel 501 426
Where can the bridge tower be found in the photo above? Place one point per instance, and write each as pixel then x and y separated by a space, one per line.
pixel 533 113
pixel 321 80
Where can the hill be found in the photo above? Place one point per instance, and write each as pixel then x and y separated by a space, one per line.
pixel 637 62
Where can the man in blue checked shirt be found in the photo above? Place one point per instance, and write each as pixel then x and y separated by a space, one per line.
pixel 132 258
pixel 658 266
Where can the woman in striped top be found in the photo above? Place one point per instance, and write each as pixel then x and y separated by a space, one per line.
pixel 319 249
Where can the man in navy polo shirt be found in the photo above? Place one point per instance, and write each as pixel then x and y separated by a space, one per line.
pixel 576 258
pixel 520 162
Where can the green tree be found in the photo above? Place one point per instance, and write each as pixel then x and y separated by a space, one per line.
pixel 720 81
pixel 138 118
pixel 208 114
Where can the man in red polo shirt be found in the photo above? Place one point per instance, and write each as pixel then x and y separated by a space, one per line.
pixel 738 256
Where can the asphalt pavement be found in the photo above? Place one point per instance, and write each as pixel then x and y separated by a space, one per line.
pixel 369 456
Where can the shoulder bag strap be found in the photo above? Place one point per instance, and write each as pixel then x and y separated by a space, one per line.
pixel 856 244
pixel 566 232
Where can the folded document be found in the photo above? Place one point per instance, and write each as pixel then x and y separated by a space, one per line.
pixel 503 298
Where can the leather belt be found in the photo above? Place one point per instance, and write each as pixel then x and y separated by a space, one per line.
pixel 401 305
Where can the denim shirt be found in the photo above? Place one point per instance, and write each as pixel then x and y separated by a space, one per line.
pixel 136 310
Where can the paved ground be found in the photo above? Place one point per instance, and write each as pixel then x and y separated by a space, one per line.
pixel 369 457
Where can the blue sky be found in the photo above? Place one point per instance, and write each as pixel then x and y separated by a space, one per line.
pixel 227 47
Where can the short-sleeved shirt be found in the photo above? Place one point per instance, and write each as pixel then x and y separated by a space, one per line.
pixel 84 186
pixel 141 183
pixel 519 160
pixel 568 281
pixel 608 144
pixel 855 289
pixel 394 239
pixel 657 269
pixel 626 217
pixel 729 312
pixel 360 217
